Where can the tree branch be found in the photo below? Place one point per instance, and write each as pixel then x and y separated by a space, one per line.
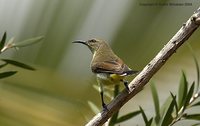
pixel 151 68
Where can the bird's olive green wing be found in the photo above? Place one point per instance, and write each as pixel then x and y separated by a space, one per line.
pixel 111 67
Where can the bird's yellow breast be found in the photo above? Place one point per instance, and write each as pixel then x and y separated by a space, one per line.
pixel 109 79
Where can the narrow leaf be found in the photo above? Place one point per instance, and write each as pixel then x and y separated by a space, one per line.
pixel 8 45
pixel 128 116
pixel 176 105
pixel 144 116
pixel 168 115
pixel 197 66
pixel 18 64
pixel 196 104
pixel 156 103
pixel 189 95
pixel 28 42
pixel 7 74
pixel 93 107
pixel 198 72
pixel 193 117
pixel 11 41
pixel 182 92
pixel 113 119
pixel 165 106
pixel 3 41
pixel 3 65
pixel 150 121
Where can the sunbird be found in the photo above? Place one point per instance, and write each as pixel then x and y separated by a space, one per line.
pixel 106 65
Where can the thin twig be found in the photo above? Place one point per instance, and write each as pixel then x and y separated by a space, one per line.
pixel 145 75
pixel 194 97
pixel 178 118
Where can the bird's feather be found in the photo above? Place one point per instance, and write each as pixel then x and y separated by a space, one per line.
pixel 112 67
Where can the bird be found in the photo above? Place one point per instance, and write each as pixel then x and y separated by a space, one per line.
pixel 106 65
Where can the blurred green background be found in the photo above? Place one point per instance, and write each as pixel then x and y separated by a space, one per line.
pixel 57 93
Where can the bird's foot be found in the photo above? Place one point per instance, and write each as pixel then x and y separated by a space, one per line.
pixel 126 85
pixel 104 107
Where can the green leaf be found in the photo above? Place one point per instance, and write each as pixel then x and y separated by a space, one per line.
pixel 156 103
pixel 18 64
pixel 93 107
pixel 198 72
pixel 197 66
pixel 3 41
pixel 113 119
pixel 165 105
pixel 28 42
pixel 128 116
pixel 150 121
pixel 167 119
pixel 3 65
pixel 7 74
pixel 176 105
pixel 193 117
pixel 189 95
pixel 196 104
pixel 10 43
pixel 182 92
pixel 144 116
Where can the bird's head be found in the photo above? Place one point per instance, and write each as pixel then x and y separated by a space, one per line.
pixel 93 44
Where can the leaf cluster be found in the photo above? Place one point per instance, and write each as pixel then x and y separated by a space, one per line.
pixel 5 45
pixel 174 108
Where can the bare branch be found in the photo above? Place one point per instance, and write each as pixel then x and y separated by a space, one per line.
pixel 145 75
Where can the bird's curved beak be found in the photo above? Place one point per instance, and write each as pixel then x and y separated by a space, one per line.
pixel 79 41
